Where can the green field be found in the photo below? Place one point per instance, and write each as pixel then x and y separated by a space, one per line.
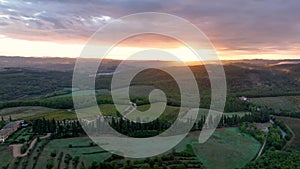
pixel 21 112
pixel 228 148
pixel 294 124
pixel 31 159
pixel 57 115
pixel 83 92
pixel 281 103
pixel 5 155
pixel 37 112
pixel 109 109
pixel 62 145
pixel 169 114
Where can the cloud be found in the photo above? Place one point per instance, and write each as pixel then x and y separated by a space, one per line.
pixel 232 25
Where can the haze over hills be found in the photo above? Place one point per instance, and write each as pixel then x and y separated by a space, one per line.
pixel 67 64
pixel 35 77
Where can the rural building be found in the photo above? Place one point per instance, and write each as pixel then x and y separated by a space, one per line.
pixel 9 129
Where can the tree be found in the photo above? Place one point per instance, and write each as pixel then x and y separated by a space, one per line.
pixel 49 164
pixel 155 166
pixel 53 154
pixel 75 161
pixel 146 166
pixel 180 166
pixel 94 165
pixel 82 166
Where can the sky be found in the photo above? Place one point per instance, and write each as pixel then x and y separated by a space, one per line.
pixel 238 29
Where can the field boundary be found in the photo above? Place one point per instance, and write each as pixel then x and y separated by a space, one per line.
pixel 293 137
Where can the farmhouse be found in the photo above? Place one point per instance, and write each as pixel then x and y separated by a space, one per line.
pixel 9 129
pixel 263 127
pixel 243 98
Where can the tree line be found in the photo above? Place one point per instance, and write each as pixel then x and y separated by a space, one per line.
pixel 59 129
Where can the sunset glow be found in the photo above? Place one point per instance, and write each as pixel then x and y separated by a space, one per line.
pixel 44 29
pixel 17 47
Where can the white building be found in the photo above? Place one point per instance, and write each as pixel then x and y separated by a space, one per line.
pixel 9 129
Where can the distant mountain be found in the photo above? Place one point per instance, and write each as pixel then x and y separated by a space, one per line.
pixel 67 64
pixel 25 78
pixel 60 64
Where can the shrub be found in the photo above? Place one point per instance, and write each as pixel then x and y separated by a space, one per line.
pixel 53 154
pixel 49 164
pixel 5 166
pixel 24 148
pixel 67 159
pixel 75 161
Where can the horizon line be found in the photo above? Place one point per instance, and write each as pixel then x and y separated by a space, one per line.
pixel 58 57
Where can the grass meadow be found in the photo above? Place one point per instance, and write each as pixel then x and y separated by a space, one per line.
pixel 23 112
pixel 80 147
pixel 227 148
pixel 281 103
pixel 294 124
pixel 6 155
pixel 37 112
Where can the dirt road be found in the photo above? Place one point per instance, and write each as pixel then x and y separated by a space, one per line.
pixel 17 147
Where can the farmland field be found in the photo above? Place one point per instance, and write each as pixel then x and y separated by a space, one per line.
pixel 31 159
pixel 294 124
pixel 36 112
pixel 20 112
pixel 281 103
pixel 57 115
pixel 5 155
pixel 80 147
pixel 83 92
pixel 227 148
pixel 169 113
